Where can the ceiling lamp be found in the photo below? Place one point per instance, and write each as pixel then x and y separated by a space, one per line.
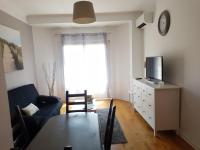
pixel 83 12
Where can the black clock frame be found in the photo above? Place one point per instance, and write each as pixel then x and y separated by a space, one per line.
pixel 167 15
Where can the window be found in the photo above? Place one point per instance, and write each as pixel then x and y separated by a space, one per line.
pixel 85 68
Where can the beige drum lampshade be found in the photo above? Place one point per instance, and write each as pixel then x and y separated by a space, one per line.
pixel 83 12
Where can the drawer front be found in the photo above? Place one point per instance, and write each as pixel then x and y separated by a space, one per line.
pixel 149 117
pixel 149 106
pixel 138 107
pixel 144 114
pixel 150 121
pixel 137 95
pixel 150 98
pixel 144 102
pixel 150 93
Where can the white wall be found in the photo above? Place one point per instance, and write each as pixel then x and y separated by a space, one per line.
pixel 27 75
pixel 120 48
pixel 16 78
pixel 120 52
pixel 12 9
pixel 43 47
pixel 5 124
pixel 137 53
pixel 180 48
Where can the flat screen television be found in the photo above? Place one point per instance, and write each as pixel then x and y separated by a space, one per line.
pixel 154 68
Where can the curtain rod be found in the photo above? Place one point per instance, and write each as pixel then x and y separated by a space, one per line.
pixel 82 33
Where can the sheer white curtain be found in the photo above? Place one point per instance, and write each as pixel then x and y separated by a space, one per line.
pixel 58 56
pixel 85 64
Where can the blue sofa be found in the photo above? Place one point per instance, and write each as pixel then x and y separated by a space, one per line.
pixel 22 96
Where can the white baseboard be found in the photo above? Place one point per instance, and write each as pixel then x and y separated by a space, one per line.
pixel 184 137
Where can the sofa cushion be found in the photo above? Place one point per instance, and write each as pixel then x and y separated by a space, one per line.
pixel 21 96
pixel 30 109
pixel 43 100
pixel 49 110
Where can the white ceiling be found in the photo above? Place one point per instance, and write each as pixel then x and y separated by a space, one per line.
pixel 33 7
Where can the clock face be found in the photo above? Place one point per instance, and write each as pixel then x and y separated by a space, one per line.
pixel 164 23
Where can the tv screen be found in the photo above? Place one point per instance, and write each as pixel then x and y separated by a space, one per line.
pixel 154 68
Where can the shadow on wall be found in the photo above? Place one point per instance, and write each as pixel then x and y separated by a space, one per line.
pixel 173 68
pixel 190 103
pixel 174 73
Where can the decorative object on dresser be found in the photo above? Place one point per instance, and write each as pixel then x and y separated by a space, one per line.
pixel 157 104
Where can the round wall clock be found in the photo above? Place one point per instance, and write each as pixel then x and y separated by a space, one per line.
pixel 164 23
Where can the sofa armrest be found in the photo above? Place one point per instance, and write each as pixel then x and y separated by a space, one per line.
pixel 42 99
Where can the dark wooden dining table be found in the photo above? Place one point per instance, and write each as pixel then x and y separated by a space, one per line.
pixel 80 130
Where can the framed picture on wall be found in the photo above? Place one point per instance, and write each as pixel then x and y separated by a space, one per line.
pixel 11 49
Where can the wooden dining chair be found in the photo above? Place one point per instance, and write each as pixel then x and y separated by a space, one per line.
pixel 108 119
pixel 76 102
pixel 21 135
pixel 109 129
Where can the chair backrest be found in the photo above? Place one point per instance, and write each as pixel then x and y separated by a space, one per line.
pixel 75 102
pixel 109 132
pixel 108 119
pixel 21 136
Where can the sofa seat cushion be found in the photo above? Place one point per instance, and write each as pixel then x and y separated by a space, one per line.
pixel 49 110
pixel 40 120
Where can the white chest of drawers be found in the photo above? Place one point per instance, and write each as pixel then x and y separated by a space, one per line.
pixel 158 105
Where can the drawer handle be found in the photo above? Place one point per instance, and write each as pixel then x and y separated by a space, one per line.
pixel 149 105
pixel 149 94
pixel 149 117
pixel 143 100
